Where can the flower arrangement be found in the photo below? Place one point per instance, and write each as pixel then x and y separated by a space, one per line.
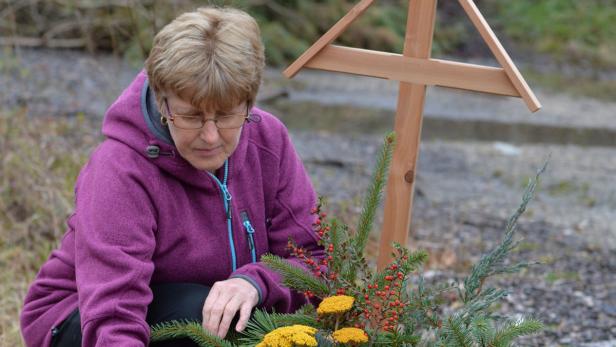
pixel 363 307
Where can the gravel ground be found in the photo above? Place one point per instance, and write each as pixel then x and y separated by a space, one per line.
pixel 465 189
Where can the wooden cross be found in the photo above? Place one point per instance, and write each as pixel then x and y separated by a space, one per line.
pixel 415 70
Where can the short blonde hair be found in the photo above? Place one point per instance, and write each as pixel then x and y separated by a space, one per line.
pixel 212 57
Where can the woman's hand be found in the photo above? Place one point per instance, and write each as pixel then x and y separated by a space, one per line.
pixel 224 300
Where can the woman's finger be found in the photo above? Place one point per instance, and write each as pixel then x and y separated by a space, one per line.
pixel 229 312
pixel 245 310
pixel 210 301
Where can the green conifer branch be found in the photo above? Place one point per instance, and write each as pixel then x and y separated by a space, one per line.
pixel 492 263
pixel 190 329
pixel 482 301
pixel 294 318
pixel 481 330
pixel 262 323
pixel 259 325
pixel 373 197
pixel 455 333
pixel 295 277
pixel 514 329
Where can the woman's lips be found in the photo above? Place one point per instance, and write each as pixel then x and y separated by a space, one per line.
pixel 207 152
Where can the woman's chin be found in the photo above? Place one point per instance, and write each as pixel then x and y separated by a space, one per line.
pixel 210 164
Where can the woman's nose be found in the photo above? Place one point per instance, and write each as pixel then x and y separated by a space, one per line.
pixel 209 132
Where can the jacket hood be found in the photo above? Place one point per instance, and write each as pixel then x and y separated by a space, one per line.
pixel 127 121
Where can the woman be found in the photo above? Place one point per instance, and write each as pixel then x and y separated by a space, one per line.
pixel 173 210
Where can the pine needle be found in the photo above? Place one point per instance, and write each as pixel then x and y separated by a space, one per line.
pixel 373 197
pixel 492 263
pixel 190 329
pixel 295 277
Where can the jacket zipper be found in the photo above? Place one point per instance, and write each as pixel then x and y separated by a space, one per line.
pixel 250 231
pixel 226 197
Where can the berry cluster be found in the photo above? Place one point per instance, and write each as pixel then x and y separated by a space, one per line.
pixel 383 302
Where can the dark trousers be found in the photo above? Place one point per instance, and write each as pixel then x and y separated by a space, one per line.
pixel 171 301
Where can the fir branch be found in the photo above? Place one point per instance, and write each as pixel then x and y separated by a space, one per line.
pixel 392 339
pixel 190 329
pixel 514 329
pixel 262 323
pixel 357 263
pixel 481 302
pixel 424 302
pixel 259 325
pixel 294 318
pixel 413 259
pixel 373 198
pixel 295 277
pixel 455 333
pixel 492 263
pixel 482 330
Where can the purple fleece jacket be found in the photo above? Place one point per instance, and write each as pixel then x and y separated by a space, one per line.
pixel 142 219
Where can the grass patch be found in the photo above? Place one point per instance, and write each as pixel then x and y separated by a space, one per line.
pixel 568 276
pixel 583 86
pixel 40 161
pixel 546 26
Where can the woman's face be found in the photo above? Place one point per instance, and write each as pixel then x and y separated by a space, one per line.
pixel 206 148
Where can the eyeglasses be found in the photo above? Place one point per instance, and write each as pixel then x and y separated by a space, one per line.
pixel 230 121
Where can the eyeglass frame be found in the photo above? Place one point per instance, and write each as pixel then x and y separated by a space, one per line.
pixel 205 120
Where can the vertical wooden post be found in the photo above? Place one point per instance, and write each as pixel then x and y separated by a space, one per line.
pixel 409 114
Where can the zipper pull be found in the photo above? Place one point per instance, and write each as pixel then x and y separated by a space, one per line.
pixel 227 195
pixel 225 191
pixel 250 231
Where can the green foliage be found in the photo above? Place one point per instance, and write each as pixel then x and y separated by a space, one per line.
pixel 262 322
pixel 374 194
pixel 295 277
pixel 493 262
pixel 181 329
pixel 258 326
pixel 40 161
pixel 546 25
pixel 514 329
pixel 372 200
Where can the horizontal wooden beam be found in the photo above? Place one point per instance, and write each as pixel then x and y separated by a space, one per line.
pixel 414 70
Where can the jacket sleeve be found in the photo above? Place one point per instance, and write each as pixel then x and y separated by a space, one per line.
pixel 114 243
pixel 291 217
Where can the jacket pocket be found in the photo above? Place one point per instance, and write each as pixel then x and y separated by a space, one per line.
pixel 250 231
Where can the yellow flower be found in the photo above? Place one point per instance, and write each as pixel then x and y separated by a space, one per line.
pixel 335 304
pixel 350 335
pixel 291 336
